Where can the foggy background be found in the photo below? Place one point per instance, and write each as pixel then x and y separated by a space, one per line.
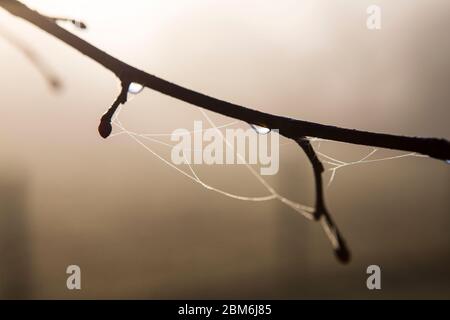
pixel 139 229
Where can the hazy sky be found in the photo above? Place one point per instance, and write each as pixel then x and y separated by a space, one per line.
pixel 140 229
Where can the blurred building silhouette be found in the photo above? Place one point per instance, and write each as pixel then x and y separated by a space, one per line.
pixel 14 241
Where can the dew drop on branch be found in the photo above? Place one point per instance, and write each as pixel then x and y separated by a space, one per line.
pixel 135 88
pixel 260 130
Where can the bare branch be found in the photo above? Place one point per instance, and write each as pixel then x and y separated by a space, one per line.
pixel 291 128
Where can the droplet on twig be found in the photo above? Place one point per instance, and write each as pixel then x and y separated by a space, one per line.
pixel 259 129
pixel 135 88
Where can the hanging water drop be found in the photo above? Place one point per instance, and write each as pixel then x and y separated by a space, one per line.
pixel 260 130
pixel 135 88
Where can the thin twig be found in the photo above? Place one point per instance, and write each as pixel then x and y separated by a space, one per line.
pixel 105 126
pixel 321 213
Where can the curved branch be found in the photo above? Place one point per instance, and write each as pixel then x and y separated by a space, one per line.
pixel 294 129
pixel 290 128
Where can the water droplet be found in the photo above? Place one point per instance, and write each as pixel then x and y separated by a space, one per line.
pixel 448 161
pixel 135 88
pixel 260 130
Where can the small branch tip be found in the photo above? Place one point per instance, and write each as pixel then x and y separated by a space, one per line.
pixel 105 127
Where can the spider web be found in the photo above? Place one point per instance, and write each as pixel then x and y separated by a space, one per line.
pixel 146 141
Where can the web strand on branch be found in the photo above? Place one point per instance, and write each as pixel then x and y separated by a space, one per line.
pixel 144 139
